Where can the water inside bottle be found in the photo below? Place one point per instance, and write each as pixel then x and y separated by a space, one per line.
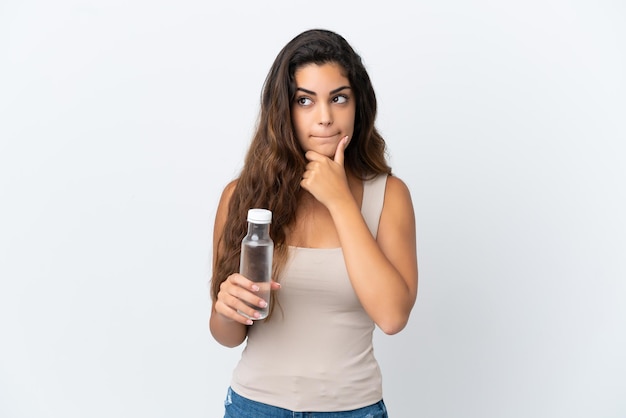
pixel 256 265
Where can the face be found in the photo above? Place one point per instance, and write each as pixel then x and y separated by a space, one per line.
pixel 324 108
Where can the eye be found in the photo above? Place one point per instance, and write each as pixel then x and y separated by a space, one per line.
pixel 342 98
pixel 304 101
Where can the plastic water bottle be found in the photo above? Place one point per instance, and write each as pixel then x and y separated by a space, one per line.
pixel 257 250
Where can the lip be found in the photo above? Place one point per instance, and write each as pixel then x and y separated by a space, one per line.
pixel 325 136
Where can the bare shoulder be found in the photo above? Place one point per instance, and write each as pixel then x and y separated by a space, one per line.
pixel 228 190
pixel 222 207
pixel 397 191
pixel 398 212
pixel 227 193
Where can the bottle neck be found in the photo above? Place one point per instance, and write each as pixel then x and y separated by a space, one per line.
pixel 261 231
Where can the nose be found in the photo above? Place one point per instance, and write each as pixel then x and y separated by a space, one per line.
pixel 325 116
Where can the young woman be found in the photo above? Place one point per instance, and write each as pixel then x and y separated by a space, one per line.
pixel 343 227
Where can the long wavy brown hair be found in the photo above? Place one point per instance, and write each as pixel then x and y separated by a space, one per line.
pixel 275 162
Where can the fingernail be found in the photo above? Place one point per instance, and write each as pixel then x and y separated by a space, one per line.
pixel 249 322
pixel 257 315
pixel 263 304
pixel 255 288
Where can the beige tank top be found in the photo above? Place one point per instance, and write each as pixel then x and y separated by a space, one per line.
pixel 315 353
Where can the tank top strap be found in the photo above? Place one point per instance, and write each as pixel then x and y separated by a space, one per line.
pixel 373 199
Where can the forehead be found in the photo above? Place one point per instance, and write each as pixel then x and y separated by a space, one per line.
pixel 321 74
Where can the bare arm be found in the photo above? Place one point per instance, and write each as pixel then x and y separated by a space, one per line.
pixel 225 330
pixel 383 272
pixel 227 325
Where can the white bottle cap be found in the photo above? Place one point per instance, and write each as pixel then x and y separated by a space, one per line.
pixel 260 216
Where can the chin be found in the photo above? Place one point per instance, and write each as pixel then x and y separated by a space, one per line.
pixel 326 149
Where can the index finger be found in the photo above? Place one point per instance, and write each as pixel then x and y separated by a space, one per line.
pixel 243 281
pixel 341 147
pixel 314 156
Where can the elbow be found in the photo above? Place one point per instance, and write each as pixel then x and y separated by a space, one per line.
pixel 230 337
pixel 392 326
pixel 230 344
pixel 228 341
pixel 392 329
pixel 395 320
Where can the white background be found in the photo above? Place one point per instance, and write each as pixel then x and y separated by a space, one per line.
pixel 121 121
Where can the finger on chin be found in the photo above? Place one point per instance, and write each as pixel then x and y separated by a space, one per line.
pixel 312 155
pixel 341 146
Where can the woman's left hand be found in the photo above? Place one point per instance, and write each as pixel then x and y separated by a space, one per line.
pixel 324 178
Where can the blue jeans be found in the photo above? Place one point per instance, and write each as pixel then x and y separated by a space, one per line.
pixel 237 406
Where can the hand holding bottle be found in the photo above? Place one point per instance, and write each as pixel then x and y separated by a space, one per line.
pixel 239 299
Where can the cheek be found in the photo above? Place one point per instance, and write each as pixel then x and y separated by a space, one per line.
pixel 349 120
pixel 295 119
pixel 299 125
pixel 297 130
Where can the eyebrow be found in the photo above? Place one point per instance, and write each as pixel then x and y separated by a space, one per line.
pixel 312 93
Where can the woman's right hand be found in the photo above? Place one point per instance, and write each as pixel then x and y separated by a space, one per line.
pixel 236 292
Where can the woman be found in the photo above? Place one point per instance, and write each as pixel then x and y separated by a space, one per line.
pixel 344 233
